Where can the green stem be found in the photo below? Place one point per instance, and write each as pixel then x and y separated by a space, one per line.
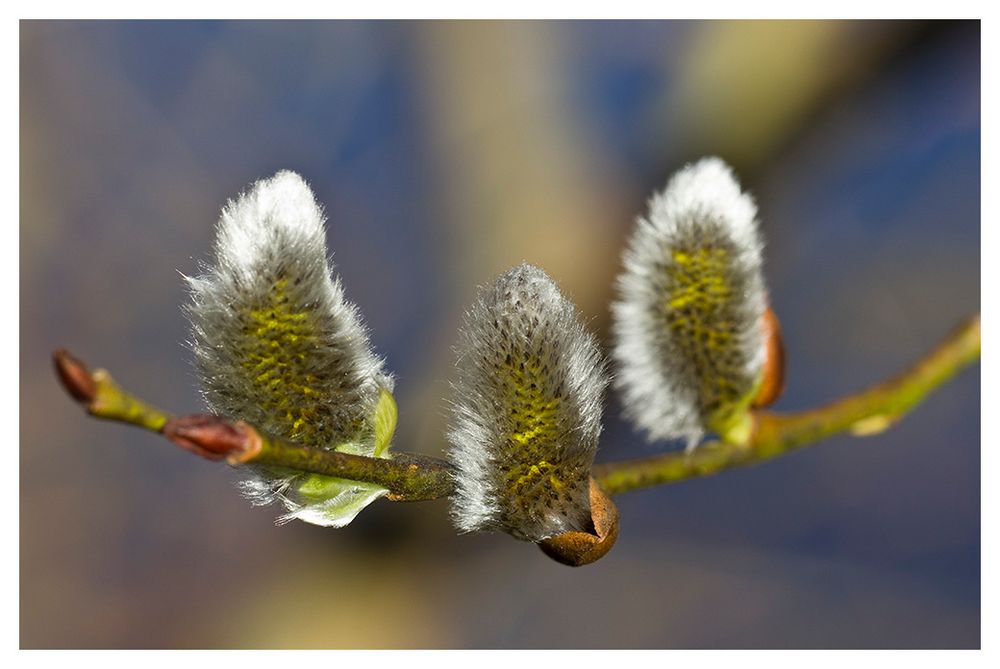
pixel 867 412
pixel 113 403
pixel 408 476
pixel 411 477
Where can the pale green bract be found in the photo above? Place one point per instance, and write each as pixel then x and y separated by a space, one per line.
pixel 335 502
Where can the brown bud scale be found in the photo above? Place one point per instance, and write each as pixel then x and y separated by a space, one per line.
pixel 773 383
pixel 213 437
pixel 75 377
pixel 579 548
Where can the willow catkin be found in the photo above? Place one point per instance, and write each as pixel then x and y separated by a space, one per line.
pixel 688 323
pixel 526 413
pixel 276 343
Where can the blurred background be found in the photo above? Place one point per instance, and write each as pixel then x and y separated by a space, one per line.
pixel 444 153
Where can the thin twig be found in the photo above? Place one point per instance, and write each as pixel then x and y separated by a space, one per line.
pixel 408 476
pixel 411 477
pixel 864 413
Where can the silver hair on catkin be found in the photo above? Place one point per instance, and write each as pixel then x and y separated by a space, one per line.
pixel 526 414
pixel 689 328
pixel 277 344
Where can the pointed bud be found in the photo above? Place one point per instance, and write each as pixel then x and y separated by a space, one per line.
pixel 689 322
pixel 214 437
pixel 75 377
pixel 527 411
pixel 276 343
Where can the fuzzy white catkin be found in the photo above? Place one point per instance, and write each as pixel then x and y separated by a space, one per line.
pixel 276 343
pixel 689 336
pixel 526 413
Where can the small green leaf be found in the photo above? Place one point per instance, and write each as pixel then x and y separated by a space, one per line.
pixel 334 502
pixel 385 421
pixel 736 428
pixel 733 422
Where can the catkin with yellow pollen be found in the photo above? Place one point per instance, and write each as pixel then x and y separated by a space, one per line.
pixel 278 345
pixel 526 413
pixel 689 321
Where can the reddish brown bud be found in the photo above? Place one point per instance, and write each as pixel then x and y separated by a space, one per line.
pixel 214 437
pixel 75 377
pixel 579 548
pixel 773 383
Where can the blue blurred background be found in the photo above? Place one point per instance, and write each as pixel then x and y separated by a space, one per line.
pixel 444 153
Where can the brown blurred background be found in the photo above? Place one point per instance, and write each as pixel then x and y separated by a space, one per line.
pixel 444 153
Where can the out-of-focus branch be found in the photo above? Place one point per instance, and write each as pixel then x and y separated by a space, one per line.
pixel 864 413
pixel 411 477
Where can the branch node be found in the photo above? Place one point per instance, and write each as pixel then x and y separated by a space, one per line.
pixel 214 438
pixel 872 425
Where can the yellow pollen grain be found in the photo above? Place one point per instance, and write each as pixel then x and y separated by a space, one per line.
pixel 277 340
pixel 698 313
pixel 533 472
